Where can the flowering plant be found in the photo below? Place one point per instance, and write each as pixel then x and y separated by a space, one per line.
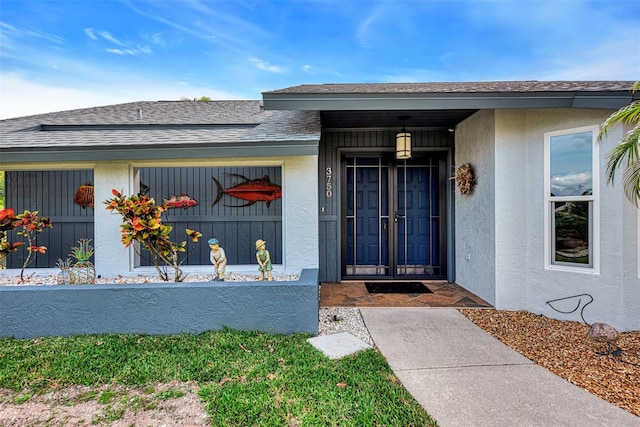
pixel 142 223
pixel 7 222
pixel 29 224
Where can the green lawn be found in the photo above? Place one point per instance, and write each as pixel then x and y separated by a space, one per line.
pixel 246 378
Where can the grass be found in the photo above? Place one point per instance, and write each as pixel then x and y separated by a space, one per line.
pixel 246 378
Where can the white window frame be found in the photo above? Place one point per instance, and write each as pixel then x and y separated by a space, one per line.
pixel 594 198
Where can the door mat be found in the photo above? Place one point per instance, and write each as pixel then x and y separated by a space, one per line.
pixel 397 288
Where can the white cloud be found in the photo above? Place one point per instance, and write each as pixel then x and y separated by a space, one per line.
pixel 10 31
pixel 115 51
pixel 366 30
pixel 124 48
pixel 22 97
pixel 130 51
pixel 214 22
pixel 90 33
pixel 108 37
pixel 27 98
pixel 264 65
pixel 604 60
pixel 312 70
pixel 158 39
pixel 571 184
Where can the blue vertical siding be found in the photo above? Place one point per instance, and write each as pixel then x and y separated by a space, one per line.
pixel 51 193
pixel 237 227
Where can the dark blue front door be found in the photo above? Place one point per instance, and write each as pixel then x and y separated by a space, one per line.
pixel 367 217
pixel 393 217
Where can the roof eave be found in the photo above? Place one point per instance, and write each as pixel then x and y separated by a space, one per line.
pixel 444 101
pixel 302 147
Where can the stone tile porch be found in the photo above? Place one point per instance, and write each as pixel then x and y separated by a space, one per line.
pixel 355 294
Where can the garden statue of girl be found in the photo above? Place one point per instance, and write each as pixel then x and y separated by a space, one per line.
pixel 264 259
pixel 218 259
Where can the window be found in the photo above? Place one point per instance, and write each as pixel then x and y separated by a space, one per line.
pixel 571 200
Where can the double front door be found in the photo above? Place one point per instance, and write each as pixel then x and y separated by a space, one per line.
pixel 393 217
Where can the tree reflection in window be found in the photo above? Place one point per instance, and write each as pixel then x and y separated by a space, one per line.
pixel 571 221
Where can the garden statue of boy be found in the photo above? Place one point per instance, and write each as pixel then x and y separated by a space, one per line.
pixel 218 259
pixel 264 260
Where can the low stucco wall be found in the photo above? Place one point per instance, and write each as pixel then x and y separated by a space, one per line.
pixel 284 307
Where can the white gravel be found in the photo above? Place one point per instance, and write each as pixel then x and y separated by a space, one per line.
pixel 343 319
pixel 52 279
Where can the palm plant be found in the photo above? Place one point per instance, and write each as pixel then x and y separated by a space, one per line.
pixel 84 272
pixel 627 153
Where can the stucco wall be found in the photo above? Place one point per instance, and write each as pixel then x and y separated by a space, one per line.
pixel 160 309
pixel 111 257
pixel 499 233
pixel 522 282
pixel 631 259
pixel 475 213
pixel 512 187
pixel 300 222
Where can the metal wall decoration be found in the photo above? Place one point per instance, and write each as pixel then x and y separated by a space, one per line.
pixel 251 190
pixel 84 196
pixel 465 179
pixel 182 201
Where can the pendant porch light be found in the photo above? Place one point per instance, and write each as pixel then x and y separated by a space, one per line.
pixel 403 142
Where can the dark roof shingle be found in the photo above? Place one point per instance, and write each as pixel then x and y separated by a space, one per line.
pixel 160 123
pixel 460 87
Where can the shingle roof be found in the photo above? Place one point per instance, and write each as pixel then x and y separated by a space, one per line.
pixel 293 116
pixel 160 123
pixel 452 96
pixel 460 87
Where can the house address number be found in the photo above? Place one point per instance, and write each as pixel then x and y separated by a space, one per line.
pixel 329 182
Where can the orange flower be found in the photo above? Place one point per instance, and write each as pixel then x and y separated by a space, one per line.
pixel 7 219
pixel 6 213
pixel 138 225
pixel 36 248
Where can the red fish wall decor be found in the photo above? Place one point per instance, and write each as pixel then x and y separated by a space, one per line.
pixel 182 201
pixel 251 190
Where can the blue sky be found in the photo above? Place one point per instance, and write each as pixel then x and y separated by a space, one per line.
pixel 58 55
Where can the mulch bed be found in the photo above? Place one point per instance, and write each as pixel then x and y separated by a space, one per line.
pixel 564 348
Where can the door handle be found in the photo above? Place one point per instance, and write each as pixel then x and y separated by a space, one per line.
pixel 396 217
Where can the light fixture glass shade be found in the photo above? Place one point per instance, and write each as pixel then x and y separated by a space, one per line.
pixel 403 145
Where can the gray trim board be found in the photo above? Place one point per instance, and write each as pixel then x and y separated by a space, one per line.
pixel 294 148
pixel 356 102
pixel 452 95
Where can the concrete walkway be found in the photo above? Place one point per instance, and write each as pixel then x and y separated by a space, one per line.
pixel 463 376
